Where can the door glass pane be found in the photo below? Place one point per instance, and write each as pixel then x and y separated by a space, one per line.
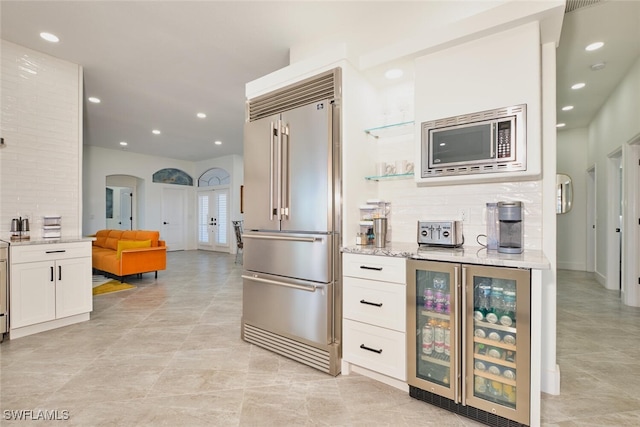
pixel 433 320
pixel 494 349
pixel 203 216
pixel 223 223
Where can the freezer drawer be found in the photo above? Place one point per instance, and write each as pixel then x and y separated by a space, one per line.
pixel 300 256
pixel 293 308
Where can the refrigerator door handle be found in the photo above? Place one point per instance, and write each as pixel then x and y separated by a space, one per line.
pixel 456 337
pixel 310 288
pixel 272 171
pixel 279 173
pixel 285 238
pixel 284 132
pixel 463 321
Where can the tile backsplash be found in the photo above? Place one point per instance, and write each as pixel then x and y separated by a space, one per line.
pixel 40 164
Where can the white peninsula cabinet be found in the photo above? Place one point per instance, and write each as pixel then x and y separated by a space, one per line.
pixel 374 317
pixel 50 286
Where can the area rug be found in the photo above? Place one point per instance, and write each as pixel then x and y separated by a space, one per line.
pixel 111 286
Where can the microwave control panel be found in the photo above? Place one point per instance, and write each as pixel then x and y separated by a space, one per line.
pixel 504 139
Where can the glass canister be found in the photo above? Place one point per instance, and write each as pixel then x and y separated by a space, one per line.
pixel 492 226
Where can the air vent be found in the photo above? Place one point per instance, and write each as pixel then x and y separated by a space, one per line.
pixel 579 4
pixel 317 88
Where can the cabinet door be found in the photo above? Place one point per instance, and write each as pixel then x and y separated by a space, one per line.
pixel 33 293
pixel 497 340
pixel 433 336
pixel 73 287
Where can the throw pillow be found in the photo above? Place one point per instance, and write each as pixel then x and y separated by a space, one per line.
pixel 131 244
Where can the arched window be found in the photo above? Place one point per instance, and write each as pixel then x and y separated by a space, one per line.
pixel 172 176
pixel 214 176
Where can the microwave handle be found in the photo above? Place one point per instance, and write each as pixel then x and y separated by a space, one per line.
pixel 494 139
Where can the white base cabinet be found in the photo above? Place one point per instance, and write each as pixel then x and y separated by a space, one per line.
pixel 50 286
pixel 374 317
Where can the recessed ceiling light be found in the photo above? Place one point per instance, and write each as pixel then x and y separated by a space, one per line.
pixel 50 37
pixel 567 108
pixel 598 66
pixel 217 142
pixel 201 115
pixel 156 132
pixel 124 144
pixel 561 125
pixel 94 99
pixel 594 46
pixel 394 73
pixel 578 86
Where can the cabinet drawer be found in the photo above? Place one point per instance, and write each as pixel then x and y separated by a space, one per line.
pixel 375 267
pixel 378 303
pixel 49 252
pixel 378 349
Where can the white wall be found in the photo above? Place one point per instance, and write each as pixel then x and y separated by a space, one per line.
pixel 572 226
pixel 41 122
pixel 616 124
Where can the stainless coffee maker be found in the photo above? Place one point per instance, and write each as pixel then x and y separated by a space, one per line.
pixel 510 227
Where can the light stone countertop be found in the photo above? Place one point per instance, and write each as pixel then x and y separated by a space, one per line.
pixel 40 241
pixel 533 259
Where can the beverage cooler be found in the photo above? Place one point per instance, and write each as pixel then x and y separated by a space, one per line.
pixel 470 352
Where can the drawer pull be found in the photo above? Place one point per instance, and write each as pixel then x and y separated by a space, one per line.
pixel 56 252
pixel 366 267
pixel 364 347
pixel 377 304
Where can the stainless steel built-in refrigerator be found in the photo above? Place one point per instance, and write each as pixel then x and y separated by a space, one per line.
pixel 291 282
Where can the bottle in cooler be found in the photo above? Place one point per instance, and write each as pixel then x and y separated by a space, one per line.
pixel 508 317
pixel 447 339
pixel 439 284
pixel 497 303
pixel 438 340
pixel 427 339
pixel 481 301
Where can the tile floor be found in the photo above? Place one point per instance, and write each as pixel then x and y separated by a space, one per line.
pixel 170 353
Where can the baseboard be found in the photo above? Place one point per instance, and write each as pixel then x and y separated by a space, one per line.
pixel 347 368
pixel 600 279
pixel 47 326
pixel 574 266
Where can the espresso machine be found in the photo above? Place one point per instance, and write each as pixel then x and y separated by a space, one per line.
pixel 510 227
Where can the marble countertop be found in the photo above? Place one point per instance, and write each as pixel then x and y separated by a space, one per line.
pixel 39 241
pixel 533 259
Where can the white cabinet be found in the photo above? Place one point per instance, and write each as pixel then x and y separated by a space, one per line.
pixel 50 286
pixel 374 317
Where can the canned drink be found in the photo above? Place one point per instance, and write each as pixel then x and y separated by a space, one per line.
pixel 480 385
pixel 480 333
pixel 439 339
pixel 495 352
pixel 509 339
pixel 429 299
pixel 509 393
pixel 494 336
pixel 508 373
pixel 496 388
pixel 447 303
pixel 480 366
pixel 492 318
pixel 447 342
pixel 510 356
pixel 493 369
pixel 427 339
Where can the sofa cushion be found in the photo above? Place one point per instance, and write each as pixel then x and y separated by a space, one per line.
pixel 131 244
pixel 154 236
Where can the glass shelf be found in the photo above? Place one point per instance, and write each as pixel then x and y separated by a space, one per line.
pixel 394 129
pixel 389 177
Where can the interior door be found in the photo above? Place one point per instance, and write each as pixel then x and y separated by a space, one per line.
pixel 173 214
pixel 307 171
pixel 213 220
pixel 126 209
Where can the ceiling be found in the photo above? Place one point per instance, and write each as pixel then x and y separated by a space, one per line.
pixel 154 65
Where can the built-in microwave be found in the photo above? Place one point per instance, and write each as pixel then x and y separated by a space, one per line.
pixel 484 142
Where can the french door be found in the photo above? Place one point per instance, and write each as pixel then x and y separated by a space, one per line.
pixel 213 219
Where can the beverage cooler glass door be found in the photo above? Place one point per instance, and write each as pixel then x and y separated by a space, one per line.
pixel 497 340
pixel 433 350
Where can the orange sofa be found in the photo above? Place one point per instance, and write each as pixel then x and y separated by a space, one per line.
pixel 125 252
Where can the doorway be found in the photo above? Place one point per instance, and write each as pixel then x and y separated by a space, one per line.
pixel 591 219
pixel 613 231
pixel 173 214
pixel 213 219
pixel 122 202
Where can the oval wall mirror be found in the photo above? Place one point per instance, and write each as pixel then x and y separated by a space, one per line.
pixel 564 193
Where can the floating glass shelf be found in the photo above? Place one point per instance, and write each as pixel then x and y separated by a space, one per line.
pixel 389 177
pixel 394 129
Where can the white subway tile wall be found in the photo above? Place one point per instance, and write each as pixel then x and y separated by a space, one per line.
pixel 40 165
